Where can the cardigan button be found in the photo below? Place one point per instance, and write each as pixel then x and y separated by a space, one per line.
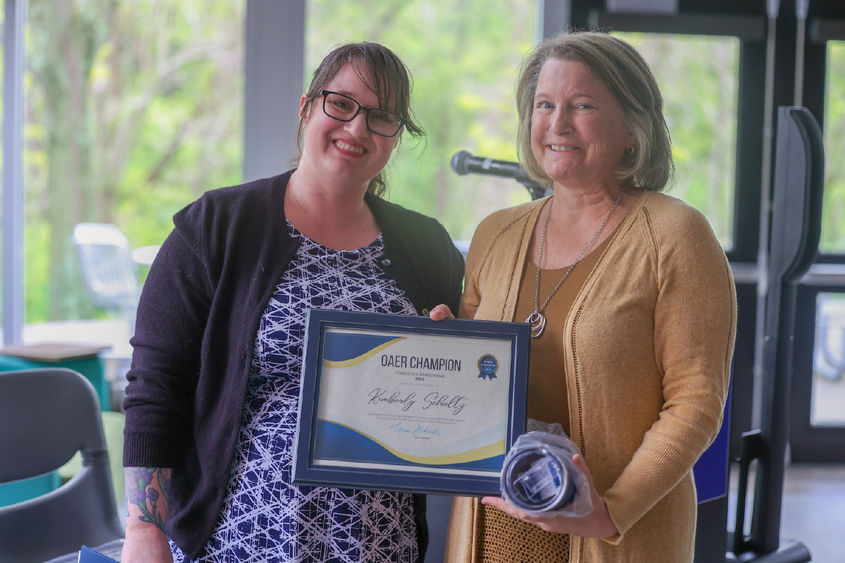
pixel 386 262
pixel 425 312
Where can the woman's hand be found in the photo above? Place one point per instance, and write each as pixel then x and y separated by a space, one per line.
pixel 147 495
pixel 145 543
pixel 440 312
pixel 596 524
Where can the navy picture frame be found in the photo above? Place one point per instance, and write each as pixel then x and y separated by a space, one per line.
pixel 417 478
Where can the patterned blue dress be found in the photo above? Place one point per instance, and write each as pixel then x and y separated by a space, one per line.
pixel 264 517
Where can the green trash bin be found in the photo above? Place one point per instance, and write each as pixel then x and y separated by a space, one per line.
pixel 82 358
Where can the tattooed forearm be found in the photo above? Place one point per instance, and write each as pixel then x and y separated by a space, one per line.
pixel 147 490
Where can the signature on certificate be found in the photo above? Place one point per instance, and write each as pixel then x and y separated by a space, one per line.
pixel 418 431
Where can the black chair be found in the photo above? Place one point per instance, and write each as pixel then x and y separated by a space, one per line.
pixel 46 416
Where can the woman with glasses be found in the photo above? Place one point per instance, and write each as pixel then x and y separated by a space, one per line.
pixel 212 401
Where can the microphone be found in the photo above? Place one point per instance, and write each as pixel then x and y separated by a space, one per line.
pixel 463 162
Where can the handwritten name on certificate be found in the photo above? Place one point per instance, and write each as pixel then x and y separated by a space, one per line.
pixel 391 400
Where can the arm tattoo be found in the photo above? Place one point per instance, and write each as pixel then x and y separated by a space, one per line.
pixel 148 489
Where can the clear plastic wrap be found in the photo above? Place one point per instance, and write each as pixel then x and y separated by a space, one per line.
pixel 538 475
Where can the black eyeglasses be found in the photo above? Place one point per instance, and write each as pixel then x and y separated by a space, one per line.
pixel 343 108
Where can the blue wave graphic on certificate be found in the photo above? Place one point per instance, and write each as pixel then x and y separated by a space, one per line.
pixel 410 399
pixel 343 349
pixel 339 443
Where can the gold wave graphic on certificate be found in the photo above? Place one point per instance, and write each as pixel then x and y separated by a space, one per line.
pixel 357 360
pixel 484 452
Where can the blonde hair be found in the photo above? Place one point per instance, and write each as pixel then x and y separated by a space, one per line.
pixel 628 77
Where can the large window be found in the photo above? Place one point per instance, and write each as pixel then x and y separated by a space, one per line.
pixel 464 61
pixel 833 212
pixel 828 395
pixel 699 80
pixel 132 110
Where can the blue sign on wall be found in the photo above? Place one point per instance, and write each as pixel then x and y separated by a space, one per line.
pixel 711 469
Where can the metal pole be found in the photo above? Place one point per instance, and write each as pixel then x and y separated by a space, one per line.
pixel 772 9
pixel 552 18
pixel 273 67
pixel 801 9
pixel 13 243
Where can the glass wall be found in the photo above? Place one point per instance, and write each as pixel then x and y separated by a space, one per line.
pixel 133 109
pixel 699 79
pixel 464 62
pixel 828 390
pixel 833 210
pixel 129 99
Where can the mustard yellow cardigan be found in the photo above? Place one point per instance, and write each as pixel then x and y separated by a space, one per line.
pixel 648 346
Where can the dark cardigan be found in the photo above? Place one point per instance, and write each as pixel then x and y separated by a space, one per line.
pixel 197 322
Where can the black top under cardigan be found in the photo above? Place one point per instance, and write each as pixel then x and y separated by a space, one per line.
pixel 197 322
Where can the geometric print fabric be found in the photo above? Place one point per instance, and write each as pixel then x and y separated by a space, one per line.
pixel 264 517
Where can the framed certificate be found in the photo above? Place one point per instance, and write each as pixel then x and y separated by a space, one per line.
pixel 406 403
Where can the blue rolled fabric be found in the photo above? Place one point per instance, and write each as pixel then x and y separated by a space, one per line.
pixel 537 478
pixel 538 474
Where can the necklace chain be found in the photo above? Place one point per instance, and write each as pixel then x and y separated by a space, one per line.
pixel 536 319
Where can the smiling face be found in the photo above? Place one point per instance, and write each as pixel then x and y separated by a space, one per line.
pixel 344 152
pixel 578 131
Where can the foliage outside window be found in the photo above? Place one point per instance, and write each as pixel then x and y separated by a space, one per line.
pixel 833 210
pixel 125 100
pixel 464 61
pixel 699 80
pixel 132 110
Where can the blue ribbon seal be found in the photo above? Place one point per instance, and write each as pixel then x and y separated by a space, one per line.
pixel 487 366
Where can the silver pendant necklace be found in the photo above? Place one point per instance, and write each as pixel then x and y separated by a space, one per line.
pixel 536 320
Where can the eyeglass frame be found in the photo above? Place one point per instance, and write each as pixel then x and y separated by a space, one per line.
pixel 324 94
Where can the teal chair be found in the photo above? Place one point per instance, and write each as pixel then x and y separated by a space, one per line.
pixel 48 415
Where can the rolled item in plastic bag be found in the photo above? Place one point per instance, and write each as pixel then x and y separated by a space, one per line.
pixel 539 477
pixel 536 478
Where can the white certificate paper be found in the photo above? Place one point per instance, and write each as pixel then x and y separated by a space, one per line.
pixel 392 400
pixel 404 403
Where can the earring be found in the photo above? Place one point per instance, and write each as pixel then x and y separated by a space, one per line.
pixel 629 150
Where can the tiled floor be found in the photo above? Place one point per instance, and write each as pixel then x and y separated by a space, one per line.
pixel 813 510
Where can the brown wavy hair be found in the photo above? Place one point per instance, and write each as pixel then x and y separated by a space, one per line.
pixel 383 73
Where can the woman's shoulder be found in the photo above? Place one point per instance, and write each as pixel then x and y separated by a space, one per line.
pixel 412 227
pixel 675 228
pixel 503 220
pixel 232 215
pixel 383 208
pixel 673 216
pixel 237 199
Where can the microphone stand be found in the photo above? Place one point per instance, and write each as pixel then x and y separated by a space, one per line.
pixel 458 165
